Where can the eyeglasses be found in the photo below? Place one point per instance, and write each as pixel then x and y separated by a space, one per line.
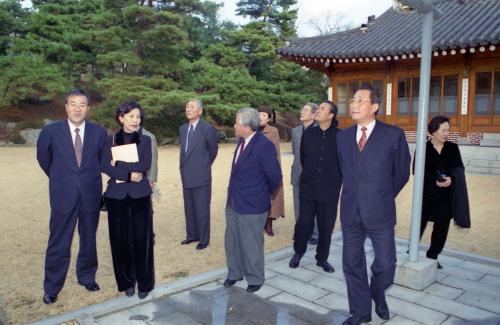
pixel 358 101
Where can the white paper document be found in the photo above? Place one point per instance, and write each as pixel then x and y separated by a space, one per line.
pixel 126 153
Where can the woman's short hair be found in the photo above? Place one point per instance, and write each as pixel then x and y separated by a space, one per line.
pixel 436 122
pixel 248 117
pixel 125 108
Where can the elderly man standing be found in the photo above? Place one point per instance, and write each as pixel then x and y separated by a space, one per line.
pixel 255 177
pixel 375 164
pixel 198 149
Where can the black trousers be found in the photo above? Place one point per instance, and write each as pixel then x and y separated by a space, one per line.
pixel 439 235
pixel 131 236
pixel 58 255
pixel 359 292
pixel 197 212
pixel 326 213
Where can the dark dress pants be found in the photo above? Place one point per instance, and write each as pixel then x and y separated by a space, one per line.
pixel 131 237
pixel 325 213
pixel 359 292
pixel 439 235
pixel 58 255
pixel 197 212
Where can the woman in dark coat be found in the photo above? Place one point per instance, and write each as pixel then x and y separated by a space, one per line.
pixel 128 199
pixel 277 210
pixel 445 191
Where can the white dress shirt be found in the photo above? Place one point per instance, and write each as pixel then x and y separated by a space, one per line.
pixel 369 129
pixel 72 128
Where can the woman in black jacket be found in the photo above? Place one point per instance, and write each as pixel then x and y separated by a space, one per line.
pixel 128 198
pixel 445 191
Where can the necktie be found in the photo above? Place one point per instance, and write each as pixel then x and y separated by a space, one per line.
pixel 362 140
pixel 242 146
pixel 78 147
pixel 189 136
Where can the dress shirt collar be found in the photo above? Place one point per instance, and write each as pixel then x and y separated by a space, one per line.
pixel 72 128
pixel 369 130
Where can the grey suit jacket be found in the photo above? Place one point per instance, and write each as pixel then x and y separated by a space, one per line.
pixel 196 164
pixel 153 172
pixel 296 165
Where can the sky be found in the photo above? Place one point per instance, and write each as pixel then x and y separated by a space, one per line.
pixel 355 12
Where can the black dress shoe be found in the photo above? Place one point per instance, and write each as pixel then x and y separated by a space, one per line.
pixel 187 241
pixel 230 283
pixel 439 266
pixel 327 267
pixel 357 320
pixel 130 292
pixel 383 312
pixel 48 299
pixel 295 261
pixel 252 288
pixel 142 294
pixel 201 246
pixel 313 241
pixel 92 286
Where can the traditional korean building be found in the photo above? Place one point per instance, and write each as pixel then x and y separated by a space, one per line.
pixel 465 81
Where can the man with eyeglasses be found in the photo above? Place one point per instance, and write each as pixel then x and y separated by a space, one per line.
pixel 320 183
pixel 375 164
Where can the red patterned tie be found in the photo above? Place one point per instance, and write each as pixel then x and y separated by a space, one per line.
pixel 78 147
pixel 362 140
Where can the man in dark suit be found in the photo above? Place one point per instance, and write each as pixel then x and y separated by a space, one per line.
pixel 307 120
pixel 320 183
pixel 255 177
pixel 69 152
pixel 198 146
pixel 375 164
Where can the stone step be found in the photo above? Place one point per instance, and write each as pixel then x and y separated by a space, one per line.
pixel 489 143
pixel 491 136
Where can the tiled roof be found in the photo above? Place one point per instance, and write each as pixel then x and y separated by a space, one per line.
pixel 463 24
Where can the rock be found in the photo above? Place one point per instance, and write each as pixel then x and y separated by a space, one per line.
pixel 2 143
pixel 165 141
pixel 47 121
pixel 30 135
pixel 3 125
pixel 11 125
pixel 221 136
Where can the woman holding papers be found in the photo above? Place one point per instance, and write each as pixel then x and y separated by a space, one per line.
pixel 126 160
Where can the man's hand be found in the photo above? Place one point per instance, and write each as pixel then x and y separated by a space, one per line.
pixel 136 177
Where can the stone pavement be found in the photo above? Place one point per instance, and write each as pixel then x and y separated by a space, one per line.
pixel 467 291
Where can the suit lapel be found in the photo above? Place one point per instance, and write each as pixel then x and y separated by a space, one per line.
pixel 246 151
pixel 88 140
pixel 196 137
pixel 183 142
pixel 67 141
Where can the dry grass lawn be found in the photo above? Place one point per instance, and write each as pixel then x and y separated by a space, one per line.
pixel 24 231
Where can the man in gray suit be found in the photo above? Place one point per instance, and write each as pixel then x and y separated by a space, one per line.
pixel 198 149
pixel 307 120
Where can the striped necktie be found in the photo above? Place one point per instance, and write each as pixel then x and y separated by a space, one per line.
pixel 362 140
pixel 78 147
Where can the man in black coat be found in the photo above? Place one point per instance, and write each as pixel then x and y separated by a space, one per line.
pixel 320 183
